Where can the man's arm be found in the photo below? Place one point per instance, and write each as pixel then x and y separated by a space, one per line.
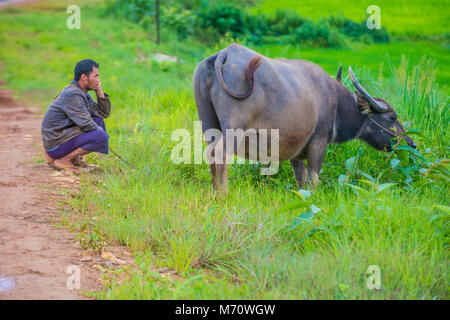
pixel 103 106
pixel 75 109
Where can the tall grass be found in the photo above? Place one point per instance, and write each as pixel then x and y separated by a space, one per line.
pixel 419 98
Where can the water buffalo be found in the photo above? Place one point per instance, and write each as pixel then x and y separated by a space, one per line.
pixel 238 88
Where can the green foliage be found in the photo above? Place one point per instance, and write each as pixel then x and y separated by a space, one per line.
pixel 182 21
pixel 285 27
pixel 213 21
pixel 406 18
pixel 88 234
pixel 319 34
pixel 138 11
pixel 418 91
pixel 357 31
pixel 224 18
pixel 405 166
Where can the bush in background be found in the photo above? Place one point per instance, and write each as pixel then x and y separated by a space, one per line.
pixel 211 21
pixel 358 31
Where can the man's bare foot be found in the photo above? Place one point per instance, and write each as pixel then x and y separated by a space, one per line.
pixel 78 161
pixel 65 165
pixel 48 159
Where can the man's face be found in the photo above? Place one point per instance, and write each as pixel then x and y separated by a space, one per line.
pixel 93 79
pixel 90 82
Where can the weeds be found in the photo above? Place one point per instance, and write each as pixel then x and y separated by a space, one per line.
pixel 88 235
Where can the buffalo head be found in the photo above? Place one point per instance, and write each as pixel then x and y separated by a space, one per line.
pixel 380 128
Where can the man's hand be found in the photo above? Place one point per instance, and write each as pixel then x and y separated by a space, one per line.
pixel 99 90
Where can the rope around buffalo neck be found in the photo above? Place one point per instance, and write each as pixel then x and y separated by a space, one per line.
pixel 387 130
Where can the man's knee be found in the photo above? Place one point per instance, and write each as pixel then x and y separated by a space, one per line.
pixel 100 136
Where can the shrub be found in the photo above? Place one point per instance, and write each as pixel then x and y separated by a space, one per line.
pixel 182 21
pixel 285 27
pixel 284 22
pixel 223 18
pixel 320 34
pixel 213 20
pixel 359 31
pixel 133 10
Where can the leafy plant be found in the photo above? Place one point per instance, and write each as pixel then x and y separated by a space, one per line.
pixel 224 18
pixel 351 167
pixel 88 235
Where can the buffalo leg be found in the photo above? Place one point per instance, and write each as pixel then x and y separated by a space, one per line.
pixel 221 166
pixel 212 167
pixel 206 114
pixel 298 167
pixel 316 152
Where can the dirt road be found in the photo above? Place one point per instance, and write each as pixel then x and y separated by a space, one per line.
pixel 34 254
pixel 37 259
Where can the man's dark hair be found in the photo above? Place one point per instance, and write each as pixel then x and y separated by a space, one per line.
pixel 84 67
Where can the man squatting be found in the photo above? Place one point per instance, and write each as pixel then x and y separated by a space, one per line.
pixel 73 123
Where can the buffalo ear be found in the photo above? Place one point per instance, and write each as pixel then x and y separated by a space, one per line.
pixel 364 106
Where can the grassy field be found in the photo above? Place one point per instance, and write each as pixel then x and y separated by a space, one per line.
pixel 400 17
pixel 250 244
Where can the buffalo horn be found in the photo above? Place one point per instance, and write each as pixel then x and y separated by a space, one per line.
pixel 374 104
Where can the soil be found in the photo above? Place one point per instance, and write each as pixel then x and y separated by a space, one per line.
pixel 14 3
pixel 36 254
pixel 39 257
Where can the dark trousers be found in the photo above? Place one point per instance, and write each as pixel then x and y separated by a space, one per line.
pixel 94 141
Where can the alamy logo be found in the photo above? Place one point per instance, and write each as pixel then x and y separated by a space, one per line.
pixel 74 20
pixel 257 145
pixel 374 280
pixel 74 280
pixel 374 19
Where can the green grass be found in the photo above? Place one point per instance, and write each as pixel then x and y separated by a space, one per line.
pixel 374 58
pixel 400 17
pixel 241 246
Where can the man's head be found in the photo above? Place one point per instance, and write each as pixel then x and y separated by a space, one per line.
pixel 86 74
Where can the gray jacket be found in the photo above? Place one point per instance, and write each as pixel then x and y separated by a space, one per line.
pixel 70 115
